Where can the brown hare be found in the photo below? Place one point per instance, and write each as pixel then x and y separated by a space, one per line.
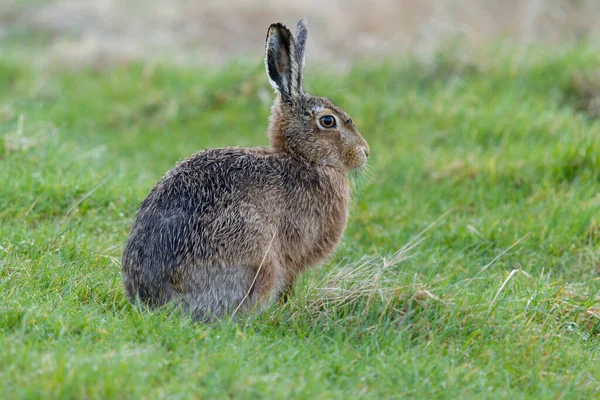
pixel 230 229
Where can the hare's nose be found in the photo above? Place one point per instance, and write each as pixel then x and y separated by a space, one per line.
pixel 366 151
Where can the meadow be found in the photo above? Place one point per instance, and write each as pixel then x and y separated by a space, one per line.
pixel 470 266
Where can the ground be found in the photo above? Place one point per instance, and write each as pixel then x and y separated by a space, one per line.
pixel 470 265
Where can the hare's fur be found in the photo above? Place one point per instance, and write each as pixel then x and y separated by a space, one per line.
pixel 231 228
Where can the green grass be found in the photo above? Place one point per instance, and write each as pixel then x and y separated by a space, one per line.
pixel 501 141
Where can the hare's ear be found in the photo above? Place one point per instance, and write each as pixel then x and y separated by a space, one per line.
pixel 300 39
pixel 281 61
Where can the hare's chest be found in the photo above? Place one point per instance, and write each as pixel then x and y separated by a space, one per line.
pixel 332 225
pixel 314 214
pixel 315 234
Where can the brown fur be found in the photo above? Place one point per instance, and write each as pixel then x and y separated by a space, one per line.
pixel 225 218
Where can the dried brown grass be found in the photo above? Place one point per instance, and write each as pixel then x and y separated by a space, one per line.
pixel 372 290
pixel 101 32
pixel 584 91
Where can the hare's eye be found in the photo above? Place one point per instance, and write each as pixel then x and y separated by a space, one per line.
pixel 327 121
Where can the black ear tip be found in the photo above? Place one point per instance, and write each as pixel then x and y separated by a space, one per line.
pixel 279 28
pixel 302 24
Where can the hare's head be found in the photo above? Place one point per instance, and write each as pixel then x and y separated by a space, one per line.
pixel 312 128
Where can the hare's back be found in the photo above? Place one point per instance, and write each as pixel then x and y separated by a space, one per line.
pixel 218 178
pixel 223 178
pixel 214 203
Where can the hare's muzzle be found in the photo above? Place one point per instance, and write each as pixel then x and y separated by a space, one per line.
pixel 361 156
pixel 366 151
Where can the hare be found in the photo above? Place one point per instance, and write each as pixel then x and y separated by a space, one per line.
pixel 230 229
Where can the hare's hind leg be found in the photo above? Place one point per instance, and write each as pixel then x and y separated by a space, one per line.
pixel 147 284
pixel 216 290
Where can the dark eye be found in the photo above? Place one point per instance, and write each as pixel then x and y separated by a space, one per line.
pixel 327 121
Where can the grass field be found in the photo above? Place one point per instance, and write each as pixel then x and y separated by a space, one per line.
pixel 497 299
